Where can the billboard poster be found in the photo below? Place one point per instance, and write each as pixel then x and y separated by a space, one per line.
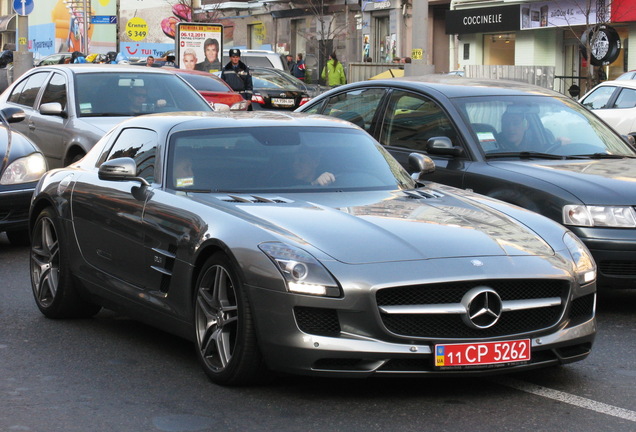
pixel 562 13
pixel 54 26
pixel 149 27
pixel 199 46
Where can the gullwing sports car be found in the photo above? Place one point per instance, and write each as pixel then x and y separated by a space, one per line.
pixel 296 243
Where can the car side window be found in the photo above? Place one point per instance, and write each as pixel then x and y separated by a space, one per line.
pixel 55 91
pixel 25 94
pixel 626 99
pixel 411 119
pixel 599 98
pixel 357 106
pixel 139 144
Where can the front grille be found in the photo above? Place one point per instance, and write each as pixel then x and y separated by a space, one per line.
pixel 617 268
pixel 451 326
pixel 322 322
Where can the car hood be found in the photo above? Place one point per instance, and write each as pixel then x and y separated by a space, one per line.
pixel 600 182
pixel 381 227
pixel 102 124
pixel 20 146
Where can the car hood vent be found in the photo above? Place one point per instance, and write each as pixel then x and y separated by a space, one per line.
pixel 422 194
pixel 254 199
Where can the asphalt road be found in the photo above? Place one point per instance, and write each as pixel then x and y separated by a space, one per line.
pixel 112 374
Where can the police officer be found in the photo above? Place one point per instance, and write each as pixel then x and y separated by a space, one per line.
pixel 237 75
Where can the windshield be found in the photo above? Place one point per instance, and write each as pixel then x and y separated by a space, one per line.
pixel 106 94
pixel 277 159
pixel 268 80
pixel 539 125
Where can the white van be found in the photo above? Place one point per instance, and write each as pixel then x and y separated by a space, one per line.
pixel 262 58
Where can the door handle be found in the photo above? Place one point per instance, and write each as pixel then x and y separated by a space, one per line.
pixel 31 125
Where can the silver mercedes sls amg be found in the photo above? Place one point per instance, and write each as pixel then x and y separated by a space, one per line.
pixel 296 243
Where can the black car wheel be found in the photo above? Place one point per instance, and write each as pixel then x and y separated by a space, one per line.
pixel 51 280
pixel 225 337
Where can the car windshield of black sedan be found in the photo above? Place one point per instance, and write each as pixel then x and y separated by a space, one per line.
pixel 539 126
pixel 269 159
pixel 127 94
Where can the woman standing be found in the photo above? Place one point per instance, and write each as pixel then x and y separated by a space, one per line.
pixel 333 73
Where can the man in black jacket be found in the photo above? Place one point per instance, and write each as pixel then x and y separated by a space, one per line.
pixel 237 75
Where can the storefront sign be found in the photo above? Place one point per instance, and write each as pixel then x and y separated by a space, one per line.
pixel 564 13
pixel 480 20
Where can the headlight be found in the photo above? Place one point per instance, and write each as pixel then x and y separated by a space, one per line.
pixel 583 262
pixel 303 273
pixel 26 169
pixel 600 216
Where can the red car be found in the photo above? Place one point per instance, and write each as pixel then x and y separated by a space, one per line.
pixel 213 89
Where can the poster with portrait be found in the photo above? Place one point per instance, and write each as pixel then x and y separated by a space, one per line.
pixel 199 46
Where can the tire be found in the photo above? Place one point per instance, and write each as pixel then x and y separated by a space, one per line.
pixel 224 330
pixel 19 238
pixel 53 289
pixel 606 46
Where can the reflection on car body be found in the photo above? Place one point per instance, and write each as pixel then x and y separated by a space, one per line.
pixel 368 273
pixel 569 166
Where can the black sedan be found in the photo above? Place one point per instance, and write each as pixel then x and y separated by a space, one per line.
pixel 312 90
pixel 519 143
pixel 21 166
pixel 274 92
pixel 253 235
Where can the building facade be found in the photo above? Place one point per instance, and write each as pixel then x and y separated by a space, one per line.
pixel 544 33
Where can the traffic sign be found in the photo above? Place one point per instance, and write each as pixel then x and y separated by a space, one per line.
pixel 23 7
pixel 104 19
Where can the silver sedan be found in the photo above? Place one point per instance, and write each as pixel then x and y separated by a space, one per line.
pixel 296 243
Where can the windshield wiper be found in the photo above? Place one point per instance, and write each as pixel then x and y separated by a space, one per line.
pixel 525 155
pixel 107 114
pixel 606 156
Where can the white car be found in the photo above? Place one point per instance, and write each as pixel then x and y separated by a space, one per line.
pixel 615 103
pixel 262 58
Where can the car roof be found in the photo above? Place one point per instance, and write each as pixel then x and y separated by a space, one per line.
pixel 456 86
pixel 95 68
pixel 180 121
pixel 619 83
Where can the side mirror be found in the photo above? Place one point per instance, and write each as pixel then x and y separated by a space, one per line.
pixel 421 164
pixel 52 108
pixel 120 169
pixel 443 146
pixel 13 115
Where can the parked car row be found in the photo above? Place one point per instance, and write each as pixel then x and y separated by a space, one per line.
pixel 210 224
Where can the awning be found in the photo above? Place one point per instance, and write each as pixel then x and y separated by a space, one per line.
pixel 7 23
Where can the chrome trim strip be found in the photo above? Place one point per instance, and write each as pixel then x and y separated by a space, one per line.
pixel 164 253
pixel 161 270
pixel 458 308
pixel 16 192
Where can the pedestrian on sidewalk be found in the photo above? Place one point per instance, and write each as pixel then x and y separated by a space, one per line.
pixel 333 72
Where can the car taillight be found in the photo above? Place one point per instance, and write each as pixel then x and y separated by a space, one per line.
pixel 242 105
pixel 303 101
pixel 258 99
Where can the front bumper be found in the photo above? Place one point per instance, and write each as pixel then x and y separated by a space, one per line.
pixel 346 351
pixel 14 208
pixel 614 251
